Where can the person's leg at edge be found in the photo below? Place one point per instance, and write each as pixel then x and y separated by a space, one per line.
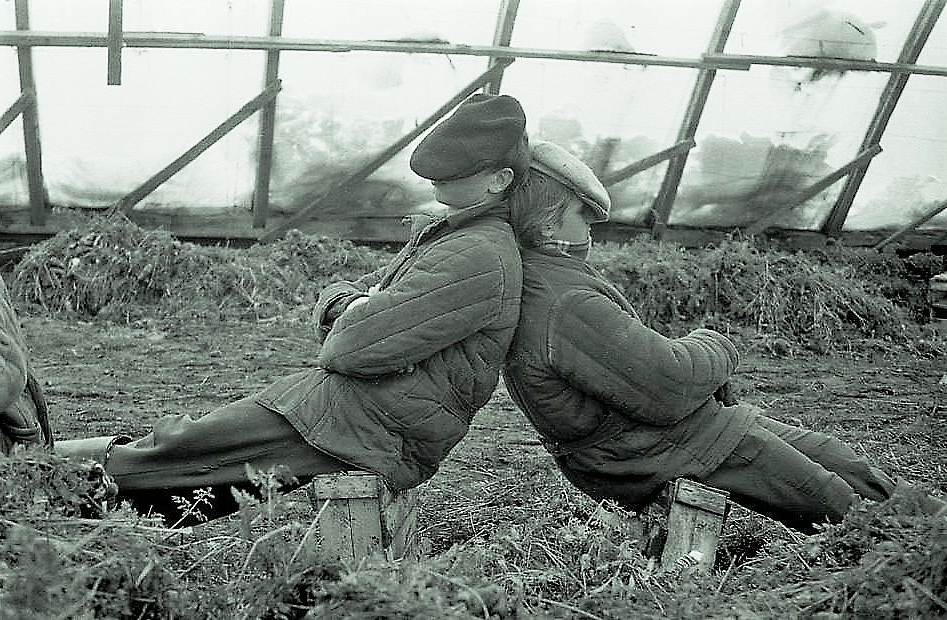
pixel 182 454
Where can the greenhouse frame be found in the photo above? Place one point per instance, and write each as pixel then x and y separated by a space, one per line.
pixel 801 122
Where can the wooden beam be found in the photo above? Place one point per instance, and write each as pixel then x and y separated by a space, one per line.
pixel 813 190
pixel 736 62
pixel 23 101
pixel 115 43
pixel 506 18
pixel 264 167
pixel 31 143
pixel 913 45
pixel 930 213
pixel 740 62
pixel 647 162
pixel 233 226
pixel 365 171
pixel 200 41
pixel 661 208
pixel 128 202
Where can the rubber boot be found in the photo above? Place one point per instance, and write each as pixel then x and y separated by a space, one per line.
pixel 96 449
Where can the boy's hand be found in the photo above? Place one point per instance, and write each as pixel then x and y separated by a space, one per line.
pixel 724 394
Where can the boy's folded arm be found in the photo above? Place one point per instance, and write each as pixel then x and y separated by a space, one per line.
pixel 446 297
pixel 608 353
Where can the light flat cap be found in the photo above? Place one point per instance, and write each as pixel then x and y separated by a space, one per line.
pixel 561 165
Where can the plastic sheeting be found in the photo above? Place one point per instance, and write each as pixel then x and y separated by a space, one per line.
pixel 764 135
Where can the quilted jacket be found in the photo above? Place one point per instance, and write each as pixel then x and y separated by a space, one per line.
pixel 23 417
pixel 398 378
pixel 622 408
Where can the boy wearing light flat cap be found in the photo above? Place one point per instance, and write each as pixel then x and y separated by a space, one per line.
pixel 408 353
pixel 623 409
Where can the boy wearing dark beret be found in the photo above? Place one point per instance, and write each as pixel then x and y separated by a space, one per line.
pixel 623 409
pixel 408 353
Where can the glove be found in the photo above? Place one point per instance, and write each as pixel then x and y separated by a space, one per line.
pixel 724 395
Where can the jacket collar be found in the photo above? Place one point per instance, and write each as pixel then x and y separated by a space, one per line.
pixel 550 256
pixel 423 226
pixel 457 219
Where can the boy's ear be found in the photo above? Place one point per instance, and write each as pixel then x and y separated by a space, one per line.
pixel 501 180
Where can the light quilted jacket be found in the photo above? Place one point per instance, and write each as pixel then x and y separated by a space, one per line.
pixel 398 378
pixel 20 419
pixel 623 408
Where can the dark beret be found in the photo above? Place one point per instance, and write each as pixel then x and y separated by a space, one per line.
pixel 480 133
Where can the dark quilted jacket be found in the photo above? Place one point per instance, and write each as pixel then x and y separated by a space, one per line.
pixel 623 408
pixel 398 378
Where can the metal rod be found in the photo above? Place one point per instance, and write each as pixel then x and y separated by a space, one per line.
pixel 125 204
pixel 365 171
pixel 647 162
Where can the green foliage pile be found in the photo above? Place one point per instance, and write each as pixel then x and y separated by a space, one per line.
pixel 818 299
pixel 111 268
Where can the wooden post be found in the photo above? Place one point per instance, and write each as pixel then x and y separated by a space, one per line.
pixel 647 162
pixel 362 517
pixel 501 38
pixel 31 141
pixel 695 520
pixel 773 211
pixel 365 171
pixel 264 167
pixel 115 43
pixel 128 202
pixel 23 101
pixel 832 227
pixel 937 208
pixel 664 201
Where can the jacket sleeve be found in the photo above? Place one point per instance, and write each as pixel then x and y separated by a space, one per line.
pixel 607 353
pixel 13 355
pixel 454 289
pixel 335 298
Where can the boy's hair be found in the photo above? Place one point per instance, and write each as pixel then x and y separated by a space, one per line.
pixel 516 159
pixel 537 207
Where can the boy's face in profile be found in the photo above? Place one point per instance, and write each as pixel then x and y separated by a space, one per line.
pixel 485 186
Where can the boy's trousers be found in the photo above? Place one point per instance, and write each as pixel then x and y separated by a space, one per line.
pixel 798 476
pixel 182 454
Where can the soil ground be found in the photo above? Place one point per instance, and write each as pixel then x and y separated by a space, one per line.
pixel 106 378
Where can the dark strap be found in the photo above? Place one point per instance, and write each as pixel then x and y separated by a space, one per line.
pixel 42 410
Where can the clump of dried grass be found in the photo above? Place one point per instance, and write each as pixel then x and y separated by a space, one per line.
pixel 884 560
pixel 112 268
pixel 105 263
pixel 825 300
pixel 821 300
